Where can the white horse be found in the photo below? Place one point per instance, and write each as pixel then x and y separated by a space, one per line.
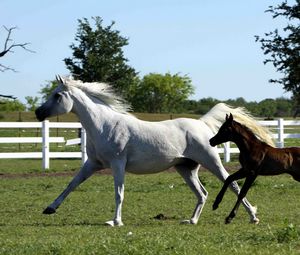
pixel 118 140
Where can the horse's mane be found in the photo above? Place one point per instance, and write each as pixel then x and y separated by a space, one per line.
pixel 215 118
pixel 102 91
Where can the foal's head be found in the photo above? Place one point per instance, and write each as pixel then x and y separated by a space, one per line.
pixel 225 132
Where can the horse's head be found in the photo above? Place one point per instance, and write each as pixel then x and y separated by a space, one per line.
pixel 59 102
pixel 225 132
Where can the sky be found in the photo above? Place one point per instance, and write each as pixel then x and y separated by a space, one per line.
pixel 211 41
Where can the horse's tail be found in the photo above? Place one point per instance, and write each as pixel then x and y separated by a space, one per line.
pixel 216 116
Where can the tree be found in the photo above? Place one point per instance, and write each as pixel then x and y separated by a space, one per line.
pixel 283 48
pixel 47 89
pixel 99 57
pixel 11 105
pixel 32 103
pixel 160 93
pixel 267 107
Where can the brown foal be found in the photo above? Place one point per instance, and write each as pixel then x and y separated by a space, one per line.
pixel 256 158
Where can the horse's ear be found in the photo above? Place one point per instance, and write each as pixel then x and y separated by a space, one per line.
pixel 59 79
pixel 226 118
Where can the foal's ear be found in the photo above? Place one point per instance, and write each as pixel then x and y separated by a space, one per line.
pixel 229 118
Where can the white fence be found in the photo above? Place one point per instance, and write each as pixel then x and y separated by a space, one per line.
pixel 45 139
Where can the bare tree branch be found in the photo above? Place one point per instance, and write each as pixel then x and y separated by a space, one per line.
pixel 7 47
pixel 8 96
pixel 4 68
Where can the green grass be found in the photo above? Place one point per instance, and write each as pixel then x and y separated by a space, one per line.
pixel 77 227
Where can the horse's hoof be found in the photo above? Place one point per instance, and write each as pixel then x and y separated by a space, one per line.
pixel 49 210
pixel 113 223
pixel 188 222
pixel 255 221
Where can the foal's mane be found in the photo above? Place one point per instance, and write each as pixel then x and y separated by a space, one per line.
pixel 102 91
pixel 242 129
pixel 255 130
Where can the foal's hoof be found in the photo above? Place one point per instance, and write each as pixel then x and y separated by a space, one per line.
pixel 49 210
pixel 215 206
pixel 228 220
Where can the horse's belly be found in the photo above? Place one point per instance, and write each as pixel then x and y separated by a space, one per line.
pixel 147 166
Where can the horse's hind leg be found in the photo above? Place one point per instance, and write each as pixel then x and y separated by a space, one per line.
pixel 189 172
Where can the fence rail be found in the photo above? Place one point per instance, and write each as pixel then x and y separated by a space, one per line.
pixel 45 140
pixel 280 126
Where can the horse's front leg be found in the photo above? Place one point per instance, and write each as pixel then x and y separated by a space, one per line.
pixel 235 176
pixel 248 182
pixel 85 172
pixel 118 169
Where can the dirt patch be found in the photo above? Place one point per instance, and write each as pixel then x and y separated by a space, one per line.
pixel 233 168
pixel 45 174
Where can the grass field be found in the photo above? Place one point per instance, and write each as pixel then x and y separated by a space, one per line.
pixel 77 227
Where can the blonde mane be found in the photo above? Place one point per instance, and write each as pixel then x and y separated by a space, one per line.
pixel 216 116
pixel 102 91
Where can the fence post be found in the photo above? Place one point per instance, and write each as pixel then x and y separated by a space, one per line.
pixel 83 146
pixel 227 152
pixel 45 144
pixel 280 142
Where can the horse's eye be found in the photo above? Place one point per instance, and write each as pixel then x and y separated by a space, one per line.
pixel 57 95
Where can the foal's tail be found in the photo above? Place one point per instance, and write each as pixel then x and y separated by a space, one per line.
pixel 216 116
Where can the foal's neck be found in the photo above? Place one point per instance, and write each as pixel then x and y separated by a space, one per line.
pixel 245 139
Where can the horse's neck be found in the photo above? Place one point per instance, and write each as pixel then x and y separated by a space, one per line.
pixel 92 115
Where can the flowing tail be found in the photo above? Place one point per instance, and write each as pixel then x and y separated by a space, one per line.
pixel 216 116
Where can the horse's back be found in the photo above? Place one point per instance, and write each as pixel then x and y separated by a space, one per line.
pixel 156 146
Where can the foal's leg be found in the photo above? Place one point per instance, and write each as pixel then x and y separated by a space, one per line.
pixel 236 176
pixel 85 172
pixel 247 184
pixel 214 164
pixel 190 175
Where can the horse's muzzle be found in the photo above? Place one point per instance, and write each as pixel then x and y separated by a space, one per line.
pixel 39 113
